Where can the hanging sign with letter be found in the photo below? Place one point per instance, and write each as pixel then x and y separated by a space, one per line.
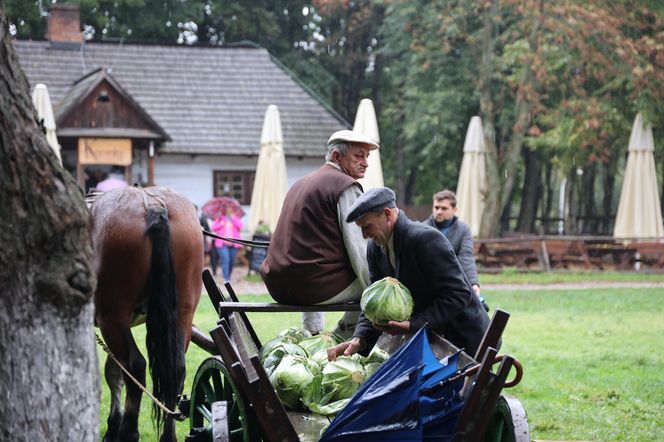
pixel 115 151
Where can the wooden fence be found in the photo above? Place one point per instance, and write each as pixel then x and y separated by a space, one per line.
pixel 566 252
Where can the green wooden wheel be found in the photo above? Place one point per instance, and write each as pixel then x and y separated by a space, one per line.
pixel 509 422
pixel 213 383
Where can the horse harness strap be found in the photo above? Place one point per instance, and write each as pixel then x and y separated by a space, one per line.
pixel 145 192
pixel 174 414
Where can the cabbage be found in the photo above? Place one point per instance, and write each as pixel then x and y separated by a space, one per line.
pixel 386 300
pixel 319 400
pixel 321 341
pixel 343 377
pixel 377 355
pixel 297 334
pixel 267 348
pixel 278 352
pixel 289 378
pixel 371 368
pixel 320 357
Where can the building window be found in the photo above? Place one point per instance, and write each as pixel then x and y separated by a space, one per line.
pixel 235 184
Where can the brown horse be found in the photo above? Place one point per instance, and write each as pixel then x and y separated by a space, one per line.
pixel 148 259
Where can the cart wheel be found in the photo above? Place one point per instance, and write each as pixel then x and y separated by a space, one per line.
pixel 212 383
pixel 509 422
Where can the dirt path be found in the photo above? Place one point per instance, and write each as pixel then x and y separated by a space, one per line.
pixel 244 287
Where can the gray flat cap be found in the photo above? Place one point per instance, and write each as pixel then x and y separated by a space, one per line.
pixel 349 136
pixel 373 200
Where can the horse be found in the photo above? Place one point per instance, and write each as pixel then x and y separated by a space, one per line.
pixel 148 258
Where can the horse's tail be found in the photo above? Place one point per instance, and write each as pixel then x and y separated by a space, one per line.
pixel 163 341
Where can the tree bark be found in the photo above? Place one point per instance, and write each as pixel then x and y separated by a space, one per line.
pixel 570 213
pixel 502 156
pixel 608 214
pixel 548 199
pixel 589 212
pixel 531 192
pixel 49 375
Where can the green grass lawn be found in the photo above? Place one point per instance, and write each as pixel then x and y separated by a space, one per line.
pixel 593 364
pixel 514 276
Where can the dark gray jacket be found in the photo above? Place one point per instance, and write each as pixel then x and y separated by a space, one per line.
pixel 462 241
pixel 443 299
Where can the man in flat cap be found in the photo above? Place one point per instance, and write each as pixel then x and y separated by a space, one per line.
pixel 315 257
pixel 423 260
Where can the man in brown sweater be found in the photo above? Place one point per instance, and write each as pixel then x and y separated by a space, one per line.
pixel 315 257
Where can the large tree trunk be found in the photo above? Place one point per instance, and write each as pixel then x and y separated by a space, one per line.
pixel 547 203
pixel 570 212
pixel 503 155
pixel 608 182
pixel 589 211
pixel 49 375
pixel 531 192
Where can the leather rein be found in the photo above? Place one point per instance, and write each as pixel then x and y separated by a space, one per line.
pixel 244 242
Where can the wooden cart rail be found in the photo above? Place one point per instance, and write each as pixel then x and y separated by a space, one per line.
pixel 277 307
pixel 235 340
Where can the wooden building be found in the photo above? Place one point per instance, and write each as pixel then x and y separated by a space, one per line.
pixel 186 117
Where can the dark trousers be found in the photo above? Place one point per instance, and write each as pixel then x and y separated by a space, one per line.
pixel 214 259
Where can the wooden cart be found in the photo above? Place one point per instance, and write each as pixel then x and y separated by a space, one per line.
pixel 232 398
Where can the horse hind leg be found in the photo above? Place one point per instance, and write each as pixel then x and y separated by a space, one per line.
pixel 113 375
pixel 129 426
pixel 168 433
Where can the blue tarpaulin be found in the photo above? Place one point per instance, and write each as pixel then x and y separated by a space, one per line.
pixel 405 400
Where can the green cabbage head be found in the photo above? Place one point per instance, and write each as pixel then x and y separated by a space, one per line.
pixel 289 378
pixel 343 377
pixel 386 300
pixel 321 341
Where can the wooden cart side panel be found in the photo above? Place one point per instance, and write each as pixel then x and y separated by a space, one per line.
pixel 476 396
pixel 274 421
pixel 258 394
pixel 493 333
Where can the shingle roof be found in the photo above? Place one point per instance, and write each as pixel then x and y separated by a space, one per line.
pixel 209 100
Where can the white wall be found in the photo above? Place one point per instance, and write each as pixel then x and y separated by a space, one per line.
pixel 192 175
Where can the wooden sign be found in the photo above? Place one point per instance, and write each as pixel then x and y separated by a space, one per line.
pixel 115 151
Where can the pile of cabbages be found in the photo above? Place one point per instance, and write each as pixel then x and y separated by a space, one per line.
pixel 297 365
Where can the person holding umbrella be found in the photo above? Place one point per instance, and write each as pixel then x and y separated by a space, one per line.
pixel 227 225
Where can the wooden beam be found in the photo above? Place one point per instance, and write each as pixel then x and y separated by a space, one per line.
pixel 276 307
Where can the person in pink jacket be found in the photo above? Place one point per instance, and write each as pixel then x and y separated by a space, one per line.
pixel 229 226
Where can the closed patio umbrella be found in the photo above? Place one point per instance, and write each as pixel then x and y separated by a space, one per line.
pixel 366 124
pixel 639 213
pixel 472 177
pixel 271 181
pixel 42 102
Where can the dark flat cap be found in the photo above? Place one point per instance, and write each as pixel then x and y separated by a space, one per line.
pixel 373 200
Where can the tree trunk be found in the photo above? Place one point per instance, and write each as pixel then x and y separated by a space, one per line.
pixel 606 228
pixel 570 212
pixel 548 200
pixel 589 212
pixel 502 156
pixel 49 375
pixel 410 186
pixel 531 192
